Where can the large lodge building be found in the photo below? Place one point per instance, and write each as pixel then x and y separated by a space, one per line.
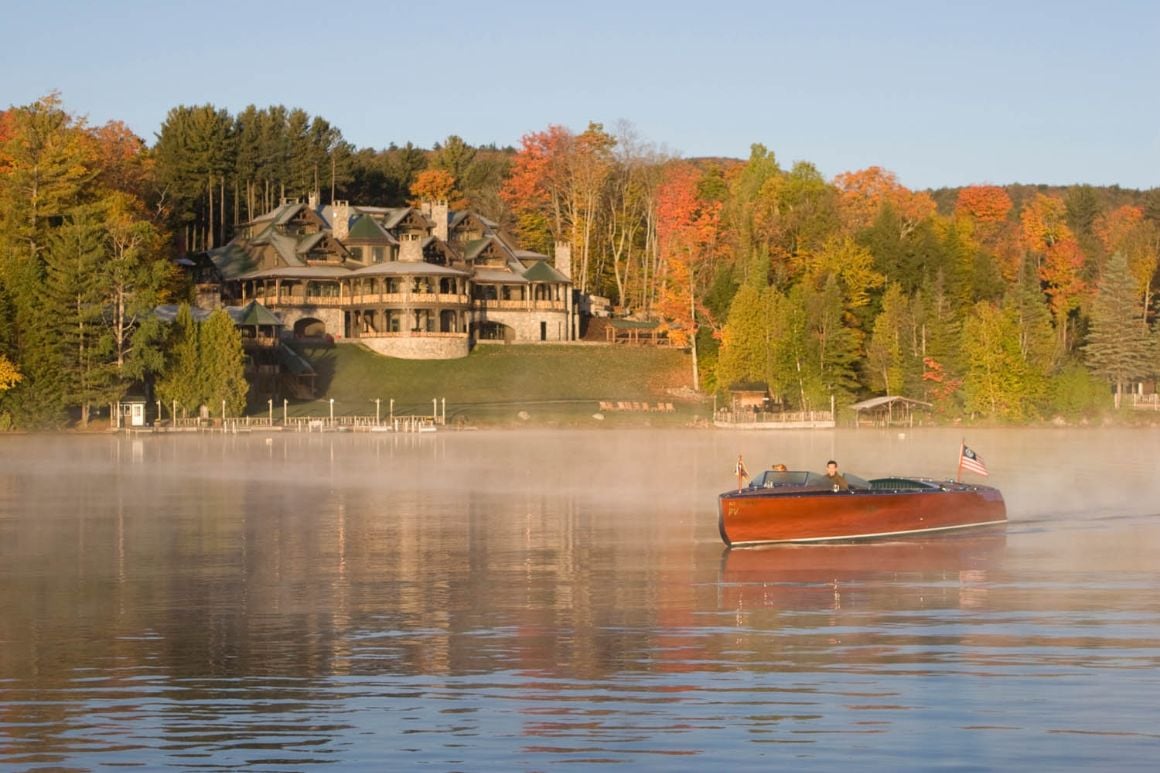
pixel 415 282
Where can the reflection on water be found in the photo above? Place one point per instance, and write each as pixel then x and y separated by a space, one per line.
pixel 499 601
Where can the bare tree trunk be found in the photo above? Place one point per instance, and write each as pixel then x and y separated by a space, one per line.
pixel 693 336
pixel 222 208
pixel 209 243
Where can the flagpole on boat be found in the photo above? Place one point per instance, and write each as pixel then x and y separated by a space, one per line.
pixel 959 469
pixel 742 473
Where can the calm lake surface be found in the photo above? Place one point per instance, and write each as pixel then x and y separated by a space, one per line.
pixel 522 600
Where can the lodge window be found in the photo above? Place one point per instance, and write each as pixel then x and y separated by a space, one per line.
pixel 356 253
pixel 377 254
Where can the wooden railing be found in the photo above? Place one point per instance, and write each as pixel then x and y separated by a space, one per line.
pixel 778 417
pixel 521 305
pixel 1146 402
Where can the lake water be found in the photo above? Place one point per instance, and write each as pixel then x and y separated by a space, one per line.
pixel 522 600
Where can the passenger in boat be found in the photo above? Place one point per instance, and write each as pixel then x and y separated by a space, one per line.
pixel 779 468
pixel 836 478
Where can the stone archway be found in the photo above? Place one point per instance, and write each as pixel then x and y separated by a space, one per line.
pixel 494 331
pixel 309 327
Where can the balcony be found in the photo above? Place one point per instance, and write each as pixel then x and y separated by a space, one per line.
pixel 525 305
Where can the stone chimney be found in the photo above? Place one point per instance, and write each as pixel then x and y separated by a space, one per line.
pixel 440 214
pixel 564 258
pixel 340 228
pixel 411 248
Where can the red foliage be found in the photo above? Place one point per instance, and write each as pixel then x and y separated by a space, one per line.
pixel 983 203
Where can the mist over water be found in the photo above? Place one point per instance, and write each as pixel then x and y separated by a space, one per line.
pixel 518 600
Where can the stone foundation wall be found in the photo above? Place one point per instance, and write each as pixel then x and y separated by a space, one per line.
pixel 526 324
pixel 418 347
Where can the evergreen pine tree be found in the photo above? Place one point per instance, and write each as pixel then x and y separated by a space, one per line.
pixel 1119 347
pixel 745 340
pixel 182 383
pixel 77 329
pixel 887 360
pixel 223 364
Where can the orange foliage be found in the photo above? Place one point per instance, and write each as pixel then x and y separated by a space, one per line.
pixel 1060 273
pixel 686 235
pixel 942 385
pixel 534 170
pixel 983 203
pixel 1113 228
pixel 125 166
pixel 433 185
pixel 7 132
pixel 1044 222
pixel 862 195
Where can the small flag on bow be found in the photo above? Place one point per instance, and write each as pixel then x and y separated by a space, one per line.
pixel 969 460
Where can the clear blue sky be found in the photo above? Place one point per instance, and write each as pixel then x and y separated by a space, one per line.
pixel 942 93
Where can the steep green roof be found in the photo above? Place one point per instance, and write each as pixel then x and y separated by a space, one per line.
pixel 254 313
pixel 231 260
pixel 474 247
pixel 365 228
pixel 542 272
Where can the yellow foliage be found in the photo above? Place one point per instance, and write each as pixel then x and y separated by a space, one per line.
pixel 9 375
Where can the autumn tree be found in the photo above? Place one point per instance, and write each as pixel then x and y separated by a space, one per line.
pixel 796 212
pixel 555 192
pixel 852 267
pixel 1060 259
pixel 687 237
pixel 987 209
pixel 9 374
pixel 630 222
pixel 987 204
pixel 48 167
pixel 433 185
pixel 862 195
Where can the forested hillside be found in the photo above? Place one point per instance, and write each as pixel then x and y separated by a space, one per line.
pixel 1011 303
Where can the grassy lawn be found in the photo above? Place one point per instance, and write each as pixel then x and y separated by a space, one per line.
pixel 552 384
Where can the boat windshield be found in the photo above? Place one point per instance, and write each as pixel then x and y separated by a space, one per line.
pixel 803 479
pixel 777 479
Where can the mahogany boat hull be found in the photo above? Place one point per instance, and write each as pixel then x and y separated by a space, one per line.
pixel 758 516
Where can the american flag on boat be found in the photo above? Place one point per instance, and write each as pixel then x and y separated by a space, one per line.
pixel 969 460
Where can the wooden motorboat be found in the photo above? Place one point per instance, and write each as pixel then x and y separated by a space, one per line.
pixel 798 506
